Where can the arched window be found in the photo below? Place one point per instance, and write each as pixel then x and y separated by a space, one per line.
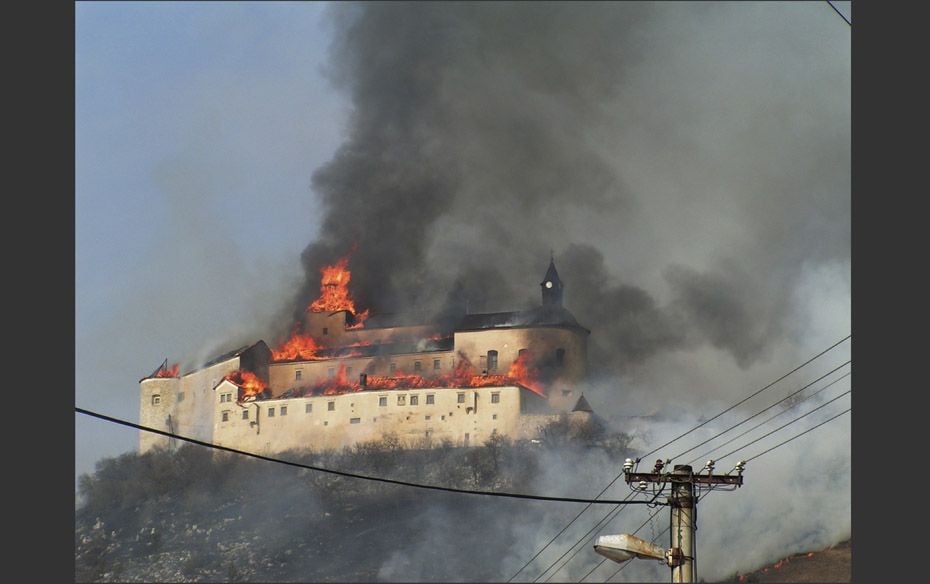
pixel 560 357
pixel 492 360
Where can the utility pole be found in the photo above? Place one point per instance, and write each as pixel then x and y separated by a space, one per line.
pixel 682 529
pixel 683 504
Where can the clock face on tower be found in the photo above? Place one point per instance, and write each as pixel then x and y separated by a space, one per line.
pixel 548 284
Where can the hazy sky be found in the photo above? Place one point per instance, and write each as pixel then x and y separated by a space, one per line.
pixel 199 127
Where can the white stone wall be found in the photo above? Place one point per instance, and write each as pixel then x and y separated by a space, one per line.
pixel 360 417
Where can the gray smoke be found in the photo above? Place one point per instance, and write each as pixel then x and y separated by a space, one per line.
pixel 686 163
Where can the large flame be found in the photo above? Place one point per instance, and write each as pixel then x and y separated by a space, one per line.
pixel 334 292
pixel 248 383
pixel 298 347
pixel 524 372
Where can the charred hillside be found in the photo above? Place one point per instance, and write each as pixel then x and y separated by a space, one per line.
pixel 191 515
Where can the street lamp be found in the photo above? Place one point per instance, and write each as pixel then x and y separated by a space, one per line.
pixel 625 547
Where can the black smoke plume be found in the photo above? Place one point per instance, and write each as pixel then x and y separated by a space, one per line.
pixel 688 169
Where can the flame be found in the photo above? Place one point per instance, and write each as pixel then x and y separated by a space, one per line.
pixel 305 348
pixel 168 371
pixel 524 372
pixel 464 375
pixel 249 384
pixel 334 292
pixel 302 347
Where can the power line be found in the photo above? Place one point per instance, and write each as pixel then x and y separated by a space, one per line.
pixel 599 564
pixel 354 475
pixel 654 539
pixel 606 519
pixel 767 434
pixel 744 400
pixel 767 420
pixel 799 435
pixel 570 523
pixel 701 497
pixel 843 16
pixel 759 413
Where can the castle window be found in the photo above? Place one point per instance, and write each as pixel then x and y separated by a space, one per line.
pixel 283 410
pixel 428 417
pixel 494 417
pixel 382 401
pixel 495 398
pixel 325 330
pixel 298 375
pixel 156 399
pixel 355 421
pixel 245 414
pixel 270 412
pixel 560 357
pixel 417 366
pixel 331 406
pixel 331 372
pixel 225 416
pixel 222 398
pixel 461 398
pixel 402 400
pixel 180 396
pixel 566 392
pixel 414 400
pixel 521 353
pixel 435 364
pixel 492 360
pixel 308 408
pixel 392 368
pixel 430 399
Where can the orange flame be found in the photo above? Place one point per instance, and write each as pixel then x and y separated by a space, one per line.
pixel 334 292
pixel 464 375
pixel 249 384
pixel 168 371
pixel 299 346
pixel 525 373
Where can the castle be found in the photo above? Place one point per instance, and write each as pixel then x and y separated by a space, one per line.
pixel 347 378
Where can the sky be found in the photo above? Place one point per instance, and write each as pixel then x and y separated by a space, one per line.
pixel 197 127
pixel 686 164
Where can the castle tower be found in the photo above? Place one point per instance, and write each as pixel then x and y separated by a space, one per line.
pixel 551 286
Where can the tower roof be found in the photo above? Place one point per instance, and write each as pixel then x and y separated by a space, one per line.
pixel 582 405
pixel 552 275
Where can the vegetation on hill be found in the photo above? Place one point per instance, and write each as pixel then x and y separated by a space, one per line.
pixel 192 514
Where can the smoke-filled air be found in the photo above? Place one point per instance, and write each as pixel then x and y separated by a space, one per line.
pixel 687 168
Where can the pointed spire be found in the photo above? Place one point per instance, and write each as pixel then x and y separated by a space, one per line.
pixel 582 405
pixel 551 285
